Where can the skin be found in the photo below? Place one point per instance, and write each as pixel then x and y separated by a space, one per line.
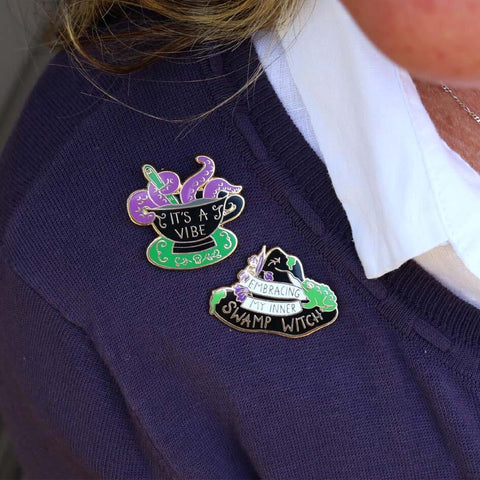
pixel 460 131
pixel 437 41
pixel 433 39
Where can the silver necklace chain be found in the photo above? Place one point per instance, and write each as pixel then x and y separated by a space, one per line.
pixel 474 115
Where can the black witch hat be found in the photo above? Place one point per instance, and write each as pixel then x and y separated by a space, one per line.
pixel 282 266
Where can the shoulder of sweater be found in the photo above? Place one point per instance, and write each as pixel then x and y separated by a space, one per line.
pixel 73 110
pixel 74 159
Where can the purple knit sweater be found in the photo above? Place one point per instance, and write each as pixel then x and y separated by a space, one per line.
pixel 113 368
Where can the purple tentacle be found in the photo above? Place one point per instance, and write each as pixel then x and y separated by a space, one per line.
pixel 217 185
pixel 171 183
pixel 193 183
pixel 136 204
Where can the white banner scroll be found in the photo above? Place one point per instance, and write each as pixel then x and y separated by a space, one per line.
pixel 268 307
pixel 285 291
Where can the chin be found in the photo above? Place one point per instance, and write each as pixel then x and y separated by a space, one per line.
pixel 436 40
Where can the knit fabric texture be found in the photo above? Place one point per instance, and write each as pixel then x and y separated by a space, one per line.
pixel 113 368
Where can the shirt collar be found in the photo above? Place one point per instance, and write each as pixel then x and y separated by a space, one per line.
pixel 397 180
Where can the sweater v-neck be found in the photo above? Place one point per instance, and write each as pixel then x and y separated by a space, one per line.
pixel 297 178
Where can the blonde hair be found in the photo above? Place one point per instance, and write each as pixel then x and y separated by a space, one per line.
pixel 124 35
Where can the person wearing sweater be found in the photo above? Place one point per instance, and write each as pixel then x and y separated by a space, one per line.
pixel 295 292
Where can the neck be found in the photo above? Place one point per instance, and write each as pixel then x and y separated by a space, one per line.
pixel 455 126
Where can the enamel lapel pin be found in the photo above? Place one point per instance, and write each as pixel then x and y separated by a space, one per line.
pixel 273 296
pixel 188 218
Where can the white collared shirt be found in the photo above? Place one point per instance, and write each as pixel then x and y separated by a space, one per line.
pixel 406 193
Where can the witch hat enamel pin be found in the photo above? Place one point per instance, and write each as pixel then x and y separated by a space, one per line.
pixel 272 295
pixel 188 218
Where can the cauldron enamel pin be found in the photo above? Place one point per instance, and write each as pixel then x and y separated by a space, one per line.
pixel 272 295
pixel 188 217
